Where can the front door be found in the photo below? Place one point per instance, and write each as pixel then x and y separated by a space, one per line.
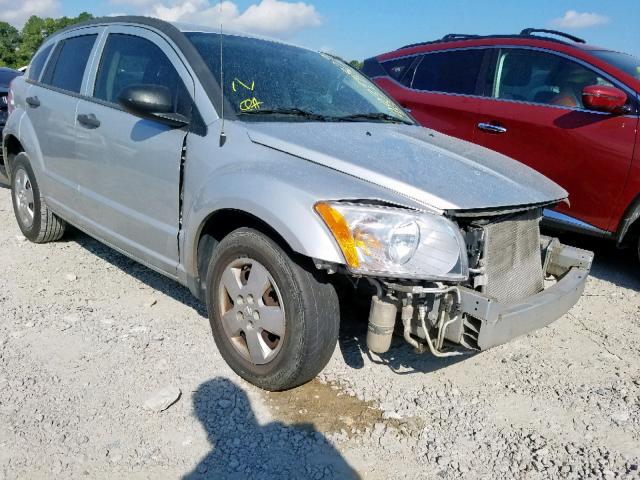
pixel 536 116
pixel 131 166
pixel 443 91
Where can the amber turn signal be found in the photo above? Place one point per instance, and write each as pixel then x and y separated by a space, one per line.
pixel 341 231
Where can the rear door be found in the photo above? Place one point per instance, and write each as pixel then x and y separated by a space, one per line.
pixel 130 190
pixel 51 104
pixel 443 91
pixel 534 113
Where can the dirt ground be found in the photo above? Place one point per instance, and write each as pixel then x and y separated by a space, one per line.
pixel 88 338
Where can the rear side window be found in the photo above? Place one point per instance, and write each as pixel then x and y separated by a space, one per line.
pixel 397 69
pixel 130 60
pixel 66 68
pixel 37 64
pixel 454 71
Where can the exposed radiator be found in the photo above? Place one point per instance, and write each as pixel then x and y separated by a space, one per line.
pixel 512 259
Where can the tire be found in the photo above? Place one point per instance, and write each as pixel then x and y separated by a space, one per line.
pixel 36 221
pixel 288 347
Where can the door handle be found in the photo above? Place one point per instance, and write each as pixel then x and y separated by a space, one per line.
pixel 488 127
pixel 88 120
pixel 33 102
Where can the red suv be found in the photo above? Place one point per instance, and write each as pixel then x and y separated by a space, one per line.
pixel 565 108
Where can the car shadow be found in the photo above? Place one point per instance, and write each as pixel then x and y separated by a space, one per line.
pixel 400 358
pixel 141 273
pixel 618 266
pixel 577 119
pixel 242 448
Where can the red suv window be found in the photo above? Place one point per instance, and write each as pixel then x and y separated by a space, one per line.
pixel 454 71
pixel 400 69
pixel 540 77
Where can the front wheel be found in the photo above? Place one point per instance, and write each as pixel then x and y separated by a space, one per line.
pixel 274 322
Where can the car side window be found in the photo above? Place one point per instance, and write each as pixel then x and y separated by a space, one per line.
pixel 37 64
pixel 131 60
pixel 398 69
pixel 454 71
pixel 539 77
pixel 68 63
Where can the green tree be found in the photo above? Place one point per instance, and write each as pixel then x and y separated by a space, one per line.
pixel 9 41
pixel 33 33
pixel 356 64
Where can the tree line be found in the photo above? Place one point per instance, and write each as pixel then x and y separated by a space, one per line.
pixel 18 46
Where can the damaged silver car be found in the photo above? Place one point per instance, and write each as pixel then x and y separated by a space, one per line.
pixel 257 173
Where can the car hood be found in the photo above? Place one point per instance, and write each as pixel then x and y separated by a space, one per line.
pixel 436 170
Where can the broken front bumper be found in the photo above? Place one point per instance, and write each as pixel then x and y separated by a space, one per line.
pixel 486 323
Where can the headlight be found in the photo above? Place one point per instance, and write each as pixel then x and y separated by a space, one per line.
pixel 395 242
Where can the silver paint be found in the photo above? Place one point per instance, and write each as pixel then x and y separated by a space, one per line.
pixel 120 182
pixel 434 169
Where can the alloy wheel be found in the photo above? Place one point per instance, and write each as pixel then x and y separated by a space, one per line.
pixel 251 310
pixel 24 197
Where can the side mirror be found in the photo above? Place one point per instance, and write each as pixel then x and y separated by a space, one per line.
pixel 602 98
pixel 153 102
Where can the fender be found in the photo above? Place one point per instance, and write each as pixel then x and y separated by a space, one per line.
pixel 11 129
pixel 20 127
pixel 278 189
pixel 631 215
pixel 283 206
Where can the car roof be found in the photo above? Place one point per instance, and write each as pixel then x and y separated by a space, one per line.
pixel 168 28
pixel 566 44
pixel 163 26
pixel 486 40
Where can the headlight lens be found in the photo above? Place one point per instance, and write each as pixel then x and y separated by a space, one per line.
pixel 404 242
pixel 395 242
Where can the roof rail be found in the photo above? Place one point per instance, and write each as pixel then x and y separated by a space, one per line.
pixel 457 36
pixel 529 31
pixel 447 38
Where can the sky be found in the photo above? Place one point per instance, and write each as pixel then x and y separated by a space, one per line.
pixel 361 29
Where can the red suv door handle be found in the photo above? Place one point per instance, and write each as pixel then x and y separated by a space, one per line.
pixel 489 127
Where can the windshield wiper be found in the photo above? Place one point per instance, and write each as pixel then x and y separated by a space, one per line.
pixel 358 117
pixel 297 112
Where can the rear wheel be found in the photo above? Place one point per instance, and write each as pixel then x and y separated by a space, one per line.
pixel 36 221
pixel 274 322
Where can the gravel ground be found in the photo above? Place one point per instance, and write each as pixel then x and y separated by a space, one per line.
pixel 108 369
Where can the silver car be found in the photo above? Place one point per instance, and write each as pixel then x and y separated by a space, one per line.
pixel 259 174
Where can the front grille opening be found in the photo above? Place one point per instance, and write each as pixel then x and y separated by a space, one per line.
pixel 513 265
pixel 474 323
pixel 504 255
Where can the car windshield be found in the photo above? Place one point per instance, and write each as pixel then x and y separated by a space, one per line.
pixel 623 61
pixel 267 80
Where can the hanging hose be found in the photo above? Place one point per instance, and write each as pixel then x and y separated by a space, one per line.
pixel 421 314
pixel 407 314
